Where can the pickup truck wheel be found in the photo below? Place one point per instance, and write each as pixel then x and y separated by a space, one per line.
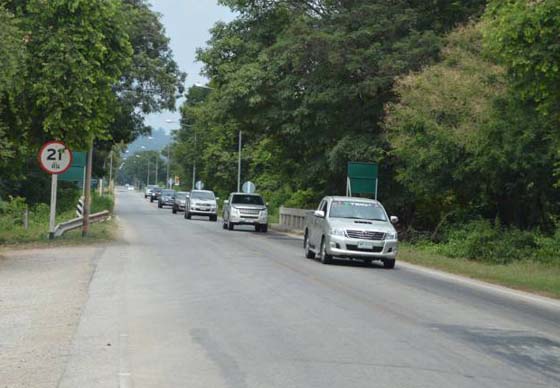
pixel 230 226
pixel 325 258
pixel 264 228
pixel 159 205
pixel 213 218
pixel 389 263
pixel 224 225
pixel 174 210
pixel 151 199
pixel 187 215
pixel 257 228
pixel 308 253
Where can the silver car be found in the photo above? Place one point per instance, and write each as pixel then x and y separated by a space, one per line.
pixel 202 203
pixel 245 209
pixel 354 228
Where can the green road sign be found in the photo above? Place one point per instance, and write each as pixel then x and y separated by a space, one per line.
pixel 362 178
pixel 76 172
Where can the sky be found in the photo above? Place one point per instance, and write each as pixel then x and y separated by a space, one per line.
pixel 187 24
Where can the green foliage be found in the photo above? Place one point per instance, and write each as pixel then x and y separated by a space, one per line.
pixel 306 82
pixel 493 243
pixel 79 50
pixel 466 146
pixel 523 36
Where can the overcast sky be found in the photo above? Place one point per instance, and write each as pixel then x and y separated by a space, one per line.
pixel 186 23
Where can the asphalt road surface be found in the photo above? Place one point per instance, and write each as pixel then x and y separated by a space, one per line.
pixel 184 303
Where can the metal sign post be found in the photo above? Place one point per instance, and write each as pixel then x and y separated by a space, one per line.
pixel 52 217
pixel 54 158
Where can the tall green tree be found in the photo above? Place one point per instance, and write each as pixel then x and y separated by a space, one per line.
pixel 523 36
pixel 307 82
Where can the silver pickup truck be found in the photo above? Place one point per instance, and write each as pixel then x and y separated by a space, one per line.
pixel 353 228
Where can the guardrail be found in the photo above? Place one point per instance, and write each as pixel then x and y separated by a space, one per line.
pixel 291 218
pixel 76 223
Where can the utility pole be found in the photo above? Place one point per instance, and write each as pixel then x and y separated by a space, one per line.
pixel 239 164
pixel 148 178
pixel 87 193
pixel 168 161
pixel 157 168
pixel 111 171
pixel 194 163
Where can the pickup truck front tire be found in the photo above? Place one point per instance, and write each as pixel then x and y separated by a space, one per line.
pixel 389 263
pixel 309 254
pixel 325 257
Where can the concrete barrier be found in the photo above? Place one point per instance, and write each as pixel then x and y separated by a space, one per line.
pixel 291 218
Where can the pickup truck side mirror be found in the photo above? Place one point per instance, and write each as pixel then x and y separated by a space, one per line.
pixel 319 213
pixel 394 220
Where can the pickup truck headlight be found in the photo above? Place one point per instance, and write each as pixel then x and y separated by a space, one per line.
pixel 337 232
pixel 234 211
pixel 264 213
pixel 391 236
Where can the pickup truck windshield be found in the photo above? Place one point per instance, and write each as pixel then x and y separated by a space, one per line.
pixel 168 192
pixel 247 199
pixel 202 195
pixel 181 195
pixel 357 210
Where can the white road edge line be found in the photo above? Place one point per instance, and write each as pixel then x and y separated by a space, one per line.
pixel 528 297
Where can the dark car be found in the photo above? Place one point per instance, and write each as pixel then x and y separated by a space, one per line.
pixel 167 198
pixel 154 195
pixel 181 198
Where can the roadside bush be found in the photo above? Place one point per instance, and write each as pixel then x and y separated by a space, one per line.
pixel 100 203
pixel 485 241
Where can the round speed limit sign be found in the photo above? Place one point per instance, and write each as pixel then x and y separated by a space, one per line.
pixel 54 157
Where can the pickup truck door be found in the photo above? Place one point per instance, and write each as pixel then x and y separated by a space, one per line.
pixel 318 225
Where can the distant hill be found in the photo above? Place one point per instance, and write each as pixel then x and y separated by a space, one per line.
pixel 158 141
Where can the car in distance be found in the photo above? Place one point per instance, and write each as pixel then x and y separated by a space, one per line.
pixel 353 228
pixel 166 198
pixel 148 191
pixel 245 209
pixel 180 201
pixel 155 193
pixel 202 203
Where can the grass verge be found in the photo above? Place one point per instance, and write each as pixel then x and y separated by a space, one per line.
pixel 526 275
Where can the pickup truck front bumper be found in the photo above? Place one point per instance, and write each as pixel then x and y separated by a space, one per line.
pixel 341 246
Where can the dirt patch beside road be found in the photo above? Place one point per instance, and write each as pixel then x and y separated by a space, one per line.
pixel 42 293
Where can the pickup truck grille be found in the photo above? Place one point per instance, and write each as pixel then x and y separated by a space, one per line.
pixel 249 212
pixel 365 235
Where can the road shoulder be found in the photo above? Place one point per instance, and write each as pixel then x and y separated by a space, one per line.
pixel 42 294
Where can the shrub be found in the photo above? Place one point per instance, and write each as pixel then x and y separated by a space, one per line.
pixel 485 241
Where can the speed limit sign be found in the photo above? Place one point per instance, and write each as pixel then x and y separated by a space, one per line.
pixel 54 157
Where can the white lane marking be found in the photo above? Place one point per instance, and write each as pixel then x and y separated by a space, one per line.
pixel 542 300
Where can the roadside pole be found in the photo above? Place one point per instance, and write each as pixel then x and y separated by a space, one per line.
pixel 167 178
pixel 111 171
pixel 87 194
pixel 52 217
pixel 239 164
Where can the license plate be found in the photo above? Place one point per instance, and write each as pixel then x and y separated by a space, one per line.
pixel 365 245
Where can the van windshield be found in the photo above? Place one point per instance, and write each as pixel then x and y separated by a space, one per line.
pixel 357 210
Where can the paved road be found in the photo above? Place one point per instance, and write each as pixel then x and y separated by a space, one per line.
pixel 182 303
